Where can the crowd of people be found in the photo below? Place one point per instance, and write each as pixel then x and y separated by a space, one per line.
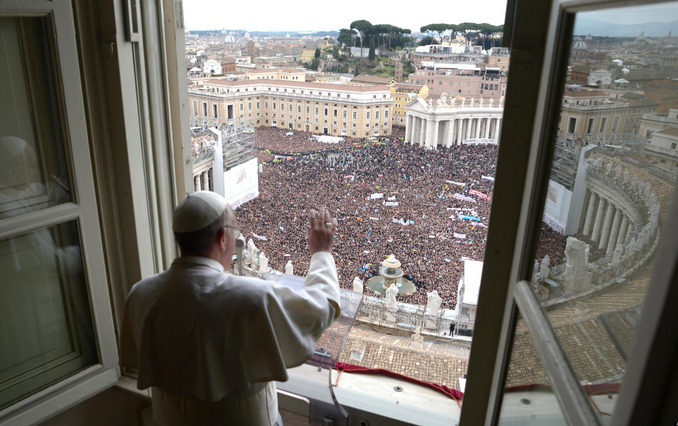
pixel 428 208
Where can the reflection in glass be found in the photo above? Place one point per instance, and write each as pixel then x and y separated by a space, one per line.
pixel 528 396
pixel 46 328
pixel 612 175
pixel 33 173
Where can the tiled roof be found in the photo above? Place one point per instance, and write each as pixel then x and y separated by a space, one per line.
pixel 669 132
pixel 584 93
pixel 371 79
pixel 298 84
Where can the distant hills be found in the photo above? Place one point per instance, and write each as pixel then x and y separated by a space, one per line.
pixel 585 25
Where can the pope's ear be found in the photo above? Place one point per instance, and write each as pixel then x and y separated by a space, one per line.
pixel 221 239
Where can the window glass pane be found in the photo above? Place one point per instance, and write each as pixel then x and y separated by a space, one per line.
pixel 46 330
pixel 528 397
pixel 33 173
pixel 608 194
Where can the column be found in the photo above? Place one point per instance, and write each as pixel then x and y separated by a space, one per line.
pixel 600 213
pixel 460 125
pixel 408 129
pixel 436 132
pixel 430 128
pixel 422 132
pixel 588 223
pixel 196 182
pixel 607 226
pixel 498 134
pixel 483 134
pixel 449 129
pixel 478 123
pixel 623 230
pixel 205 181
pixel 614 233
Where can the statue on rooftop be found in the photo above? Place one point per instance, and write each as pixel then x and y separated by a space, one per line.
pixel 357 285
pixel 391 293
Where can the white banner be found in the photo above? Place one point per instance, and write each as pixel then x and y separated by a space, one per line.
pixel 488 178
pixel 391 198
pixel 391 204
pixel 463 198
pixel 460 236
pixel 259 237
pixel 480 141
pixel 455 183
pixel 376 196
pixel 374 218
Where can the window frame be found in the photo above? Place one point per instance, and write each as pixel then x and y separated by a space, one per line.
pixel 540 40
pixel 83 209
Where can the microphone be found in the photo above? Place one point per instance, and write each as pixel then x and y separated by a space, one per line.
pixel 239 246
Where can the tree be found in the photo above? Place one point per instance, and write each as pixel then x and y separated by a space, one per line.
pixel 371 54
pixel 314 64
pixel 362 28
pixel 426 41
pixel 317 53
pixel 346 37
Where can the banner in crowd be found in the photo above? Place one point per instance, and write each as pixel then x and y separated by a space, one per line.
pixel 391 203
pixel 374 218
pixel 259 237
pixel 455 183
pixel 463 198
pixel 377 195
pixel 479 194
pixel 488 178
pixel 391 198
pixel 480 141
pixel 467 217
pixel 463 258
pixel 460 236
pixel 349 176
pixel 403 221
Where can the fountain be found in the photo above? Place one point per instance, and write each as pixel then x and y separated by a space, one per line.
pixel 390 273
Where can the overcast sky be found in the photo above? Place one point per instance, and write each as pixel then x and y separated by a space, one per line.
pixel 665 12
pixel 270 15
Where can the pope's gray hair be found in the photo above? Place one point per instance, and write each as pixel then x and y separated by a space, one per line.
pixel 198 242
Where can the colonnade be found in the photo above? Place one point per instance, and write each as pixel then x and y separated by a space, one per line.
pixel 606 223
pixel 431 132
pixel 204 180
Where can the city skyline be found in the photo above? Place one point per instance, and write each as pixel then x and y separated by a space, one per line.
pixel 210 15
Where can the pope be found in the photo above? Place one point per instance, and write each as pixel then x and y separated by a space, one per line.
pixel 210 344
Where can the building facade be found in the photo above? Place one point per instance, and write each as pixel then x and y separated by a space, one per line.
pixel 466 80
pixel 591 112
pixel 453 122
pixel 403 94
pixel 333 109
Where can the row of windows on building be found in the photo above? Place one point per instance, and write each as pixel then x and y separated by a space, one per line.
pixel 335 112
pixel 310 92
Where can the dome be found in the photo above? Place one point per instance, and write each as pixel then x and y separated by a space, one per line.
pixel 580 45
pixel 588 37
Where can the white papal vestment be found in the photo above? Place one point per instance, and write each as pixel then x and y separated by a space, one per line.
pixel 210 344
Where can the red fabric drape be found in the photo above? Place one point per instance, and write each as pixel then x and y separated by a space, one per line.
pixel 350 368
pixel 458 395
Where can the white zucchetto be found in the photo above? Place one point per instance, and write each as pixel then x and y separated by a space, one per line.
pixel 10 148
pixel 197 211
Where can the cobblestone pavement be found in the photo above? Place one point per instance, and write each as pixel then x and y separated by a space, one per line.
pixel 436 362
